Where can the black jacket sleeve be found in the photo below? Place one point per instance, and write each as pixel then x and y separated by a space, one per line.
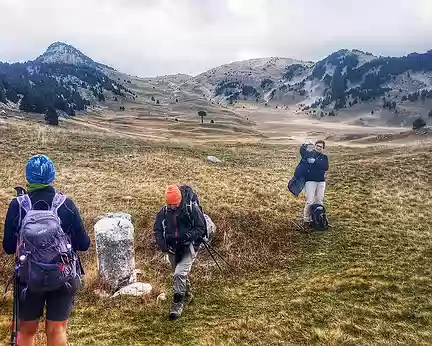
pixel 323 164
pixel 79 237
pixel 199 229
pixel 158 231
pixel 10 236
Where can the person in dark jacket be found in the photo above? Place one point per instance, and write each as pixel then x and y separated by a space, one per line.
pixel 297 184
pixel 315 177
pixel 178 233
pixel 40 174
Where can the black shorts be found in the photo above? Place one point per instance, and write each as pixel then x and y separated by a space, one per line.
pixel 59 303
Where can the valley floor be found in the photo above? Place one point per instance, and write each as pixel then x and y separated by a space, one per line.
pixel 367 281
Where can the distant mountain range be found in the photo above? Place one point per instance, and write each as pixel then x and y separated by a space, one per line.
pixel 344 77
pixel 65 79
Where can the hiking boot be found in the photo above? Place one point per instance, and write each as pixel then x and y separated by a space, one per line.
pixel 307 225
pixel 177 307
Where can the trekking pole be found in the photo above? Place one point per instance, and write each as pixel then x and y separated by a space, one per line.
pixel 230 266
pixel 219 255
pixel 214 259
pixel 15 312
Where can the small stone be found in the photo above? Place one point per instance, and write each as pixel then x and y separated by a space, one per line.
pixel 161 297
pixel 213 159
pixel 136 289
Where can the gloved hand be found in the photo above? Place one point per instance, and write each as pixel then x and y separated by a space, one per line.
pixel 186 238
pixel 310 160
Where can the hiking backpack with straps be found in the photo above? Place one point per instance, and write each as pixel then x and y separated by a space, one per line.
pixel 319 217
pixel 47 260
pixel 189 199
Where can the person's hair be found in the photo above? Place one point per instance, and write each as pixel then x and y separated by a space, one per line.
pixel 321 142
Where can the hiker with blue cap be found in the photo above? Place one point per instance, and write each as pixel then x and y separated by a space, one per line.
pixel 44 230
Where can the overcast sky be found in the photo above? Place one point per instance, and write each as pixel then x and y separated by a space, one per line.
pixel 155 37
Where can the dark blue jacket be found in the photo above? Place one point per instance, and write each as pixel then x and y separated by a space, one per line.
pixel 315 171
pixel 318 169
pixel 305 172
pixel 69 215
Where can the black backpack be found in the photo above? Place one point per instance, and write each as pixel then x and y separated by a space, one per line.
pixel 319 218
pixel 189 198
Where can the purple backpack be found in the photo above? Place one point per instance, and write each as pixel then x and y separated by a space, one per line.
pixel 46 258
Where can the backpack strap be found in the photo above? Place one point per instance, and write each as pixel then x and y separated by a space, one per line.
pixel 25 203
pixel 164 223
pixel 57 202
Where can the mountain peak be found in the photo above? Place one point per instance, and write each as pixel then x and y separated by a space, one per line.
pixel 60 52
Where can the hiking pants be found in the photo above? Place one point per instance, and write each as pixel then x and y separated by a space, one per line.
pixel 314 194
pixel 182 270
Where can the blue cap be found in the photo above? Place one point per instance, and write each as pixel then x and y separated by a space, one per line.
pixel 40 170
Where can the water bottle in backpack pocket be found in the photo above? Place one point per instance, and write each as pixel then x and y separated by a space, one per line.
pixel 48 261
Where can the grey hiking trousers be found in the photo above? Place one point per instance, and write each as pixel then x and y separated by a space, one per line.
pixel 182 270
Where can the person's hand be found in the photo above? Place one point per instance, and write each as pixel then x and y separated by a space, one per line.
pixel 186 238
pixel 310 160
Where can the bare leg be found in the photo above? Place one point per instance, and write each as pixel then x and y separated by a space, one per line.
pixel 56 333
pixel 27 333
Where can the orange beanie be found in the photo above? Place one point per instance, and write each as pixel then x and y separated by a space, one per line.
pixel 173 195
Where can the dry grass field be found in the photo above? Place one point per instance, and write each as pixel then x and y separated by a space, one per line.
pixel 367 281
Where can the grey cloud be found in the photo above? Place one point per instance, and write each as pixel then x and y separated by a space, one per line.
pixel 153 37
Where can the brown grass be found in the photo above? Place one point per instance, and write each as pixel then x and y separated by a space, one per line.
pixel 367 281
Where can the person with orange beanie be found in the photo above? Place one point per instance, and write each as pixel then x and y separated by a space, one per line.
pixel 179 229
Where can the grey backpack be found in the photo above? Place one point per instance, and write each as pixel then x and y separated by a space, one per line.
pixel 46 258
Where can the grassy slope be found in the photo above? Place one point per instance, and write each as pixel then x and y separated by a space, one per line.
pixel 367 281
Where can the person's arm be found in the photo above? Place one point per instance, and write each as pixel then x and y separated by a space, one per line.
pixel 158 231
pixel 79 237
pixel 199 229
pixel 303 150
pixel 11 230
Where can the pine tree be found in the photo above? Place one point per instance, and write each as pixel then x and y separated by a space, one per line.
pixel 419 123
pixel 51 116
pixel 202 114
pixel 2 95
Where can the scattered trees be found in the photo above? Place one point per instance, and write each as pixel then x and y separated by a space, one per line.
pixel 419 123
pixel 51 116
pixel 202 114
